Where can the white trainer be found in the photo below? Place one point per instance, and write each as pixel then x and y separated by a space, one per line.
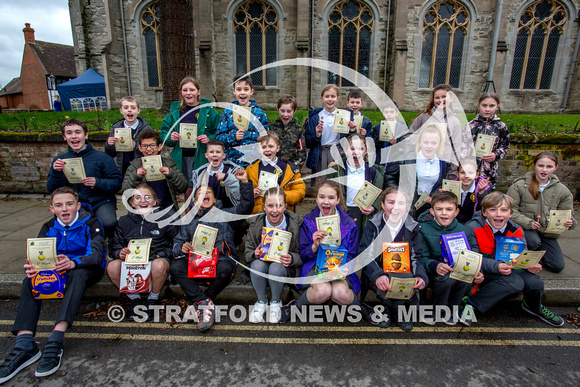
pixel 257 314
pixel 275 307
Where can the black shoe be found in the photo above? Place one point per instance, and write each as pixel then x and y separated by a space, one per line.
pixel 386 322
pixel 286 312
pixel 131 311
pixel 16 361
pixel 50 360
pixel 150 311
pixel 407 326
pixel 368 314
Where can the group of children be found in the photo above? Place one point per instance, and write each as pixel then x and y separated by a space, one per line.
pixel 216 175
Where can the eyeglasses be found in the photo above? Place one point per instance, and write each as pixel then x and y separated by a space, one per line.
pixel 150 146
pixel 147 198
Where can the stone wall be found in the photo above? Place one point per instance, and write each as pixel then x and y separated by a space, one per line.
pixel 25 159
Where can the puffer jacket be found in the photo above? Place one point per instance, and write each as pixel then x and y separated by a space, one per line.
pixel 556 196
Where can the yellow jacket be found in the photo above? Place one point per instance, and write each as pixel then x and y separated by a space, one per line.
pixel 292 184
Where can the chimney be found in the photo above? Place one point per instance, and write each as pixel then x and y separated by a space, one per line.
pixel 28 33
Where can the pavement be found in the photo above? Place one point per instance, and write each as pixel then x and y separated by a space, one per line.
pixel 21 217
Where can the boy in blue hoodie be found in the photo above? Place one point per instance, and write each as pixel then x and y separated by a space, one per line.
pixel 227 132
pixel 81 253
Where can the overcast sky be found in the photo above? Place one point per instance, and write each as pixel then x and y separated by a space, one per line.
pixel 50 20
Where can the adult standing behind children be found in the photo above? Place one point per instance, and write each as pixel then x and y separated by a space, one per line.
pixel 291 134
pixel 190 109
pixel 167 189
pixel 488 123
pixel 535 195
pixel 81 253
pixel 102 180
pixel 130 111
pixel 230 130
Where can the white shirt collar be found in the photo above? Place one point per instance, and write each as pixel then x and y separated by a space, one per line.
pixel 355 170
pixel 423 159
pixel 393 230
pixel 134 126
pixel 470 190
pixel 220 169
pixel 272 163
pixel 69 225
pixel 281 226
pixel 502 230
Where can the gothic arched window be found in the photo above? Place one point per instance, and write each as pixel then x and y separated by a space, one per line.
pixel 350 26
pixel 539 30
pixel 150 30
pixel 444 33
pixel 256 30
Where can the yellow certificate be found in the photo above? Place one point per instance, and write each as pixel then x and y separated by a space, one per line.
pixel 528 259
pixel 358 120
pixel 331 225
pixel 74 170
pixel 41 253
pixel 424 198
pixel 484 145
pixel 239 117
pixel 153 165
pixel 266 181
pixel 139 254
pixel 204 240
pixel 125 143
pixel 402 288
pixel 341 120
pixel 467 266
pixel 557 220
pixel 387 130
pixel 453 186
pixel 279 246
pixel 367 195
pixel 188 135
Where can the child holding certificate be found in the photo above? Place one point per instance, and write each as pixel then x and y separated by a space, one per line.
pixel 362 183
pixel 136 226
pixel 80 248
pixel 473 189
pixel 122 142
pixel 401 229
pixel 185 115
pixel 270 172
pixel 275 216
pixel 490 136
pixel 319 129
pixel 223 236
pixel 341 291
pixel 544 208
pixel 503 279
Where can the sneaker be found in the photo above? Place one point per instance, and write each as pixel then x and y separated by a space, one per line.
pixel 407 326
pixel 206 310
pixel 275 307
pixel 131 310
pixel 386 321
pixel 286 312
pixel 428 321
pixel 16 361
pixel 50 360
pixel 257 315
pixel 545 315
pixel 466 311
pixel 150 311
pixel 369 314
pixel 451 321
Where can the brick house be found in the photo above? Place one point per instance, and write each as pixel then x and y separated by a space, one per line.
pixel 44 65
pixel 526 49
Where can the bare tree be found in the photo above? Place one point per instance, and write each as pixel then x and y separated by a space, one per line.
pixel 177 47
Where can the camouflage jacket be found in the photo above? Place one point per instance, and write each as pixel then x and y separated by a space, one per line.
pixel 292 142
pixel 494 127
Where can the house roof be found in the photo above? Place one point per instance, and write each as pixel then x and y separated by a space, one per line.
pixel 13 87
pixel 57 59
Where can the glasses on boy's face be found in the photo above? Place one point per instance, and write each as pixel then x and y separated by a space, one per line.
pixel 147 198
pixel 148 146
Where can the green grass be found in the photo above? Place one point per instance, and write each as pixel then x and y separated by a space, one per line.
pixel 98 121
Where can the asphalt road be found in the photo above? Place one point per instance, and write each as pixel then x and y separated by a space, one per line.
pixel 505 347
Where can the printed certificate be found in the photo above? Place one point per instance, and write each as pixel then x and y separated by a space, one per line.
pixel 528 259
pixel 266 181
pixel 331 225
pixel 402 288
pixel 74 170
pixel 153 165
pixel 467 266
pixel 358 120
pixel 139 254
pixel 453 186
pixel 125 143
pixel 204 240
pixel 188 135
pixel 239 117
pixel 41 253
pixel 341 120
pixel 484 145
pixel 424 198
pixel 274 243
pixel 557 219
pixel 367 195
pixel 387 130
